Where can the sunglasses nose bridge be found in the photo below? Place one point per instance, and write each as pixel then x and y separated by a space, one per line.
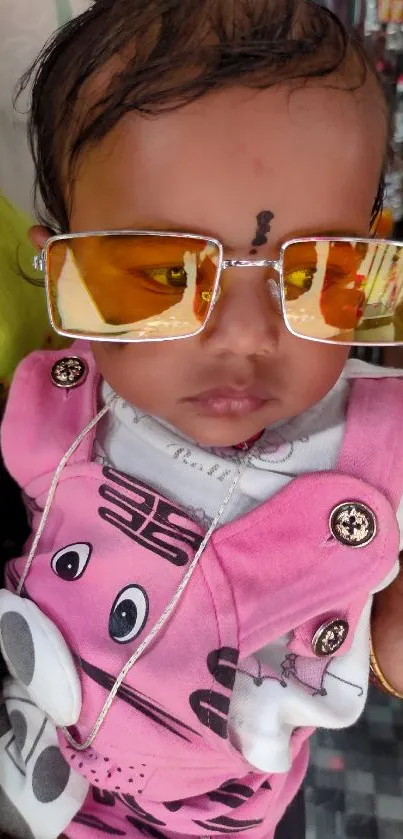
pixel 275 264
pixel 273 284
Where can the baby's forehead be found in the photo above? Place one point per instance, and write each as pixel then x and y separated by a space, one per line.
pixel 232 154
pixel 347 104
pixel 288 112
pixel 139 58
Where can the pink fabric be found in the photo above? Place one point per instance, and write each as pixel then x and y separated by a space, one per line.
pixel 163 759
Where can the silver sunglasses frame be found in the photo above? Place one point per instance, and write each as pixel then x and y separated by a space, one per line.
pixel 39 263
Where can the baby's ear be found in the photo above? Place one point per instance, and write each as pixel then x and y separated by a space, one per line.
pixel 39 236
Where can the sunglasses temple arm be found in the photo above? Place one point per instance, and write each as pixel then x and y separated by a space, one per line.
pixel 39 262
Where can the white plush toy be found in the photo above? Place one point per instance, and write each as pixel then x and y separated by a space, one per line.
pixel 39 793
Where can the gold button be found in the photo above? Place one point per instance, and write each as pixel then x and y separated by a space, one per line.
pixel 69 372
pixel 353 524
pixel 330 637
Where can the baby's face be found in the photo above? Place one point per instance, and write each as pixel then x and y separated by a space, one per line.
pixel 312 159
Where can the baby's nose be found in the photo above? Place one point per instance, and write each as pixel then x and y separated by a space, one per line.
pixel 247 319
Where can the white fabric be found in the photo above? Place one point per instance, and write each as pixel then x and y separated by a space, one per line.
pixel 197 478
pixel 39 795
pixel 264 712
pixel 264 716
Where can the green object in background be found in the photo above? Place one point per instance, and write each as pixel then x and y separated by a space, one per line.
pixel 64 11
pixel 24 324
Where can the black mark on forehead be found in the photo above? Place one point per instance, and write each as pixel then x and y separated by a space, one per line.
pixel 263 220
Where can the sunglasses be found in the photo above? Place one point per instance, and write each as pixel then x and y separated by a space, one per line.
pixel 132 286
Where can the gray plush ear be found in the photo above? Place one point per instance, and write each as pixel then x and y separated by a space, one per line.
pixel 37 655
pixel 18 646
pixel 39 792
pixel 15 822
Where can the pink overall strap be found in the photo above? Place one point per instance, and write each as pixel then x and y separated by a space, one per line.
pixel 372 447
pixel 41 420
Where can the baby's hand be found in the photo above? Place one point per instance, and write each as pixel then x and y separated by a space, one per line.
pixel 38 657
pixel 387 631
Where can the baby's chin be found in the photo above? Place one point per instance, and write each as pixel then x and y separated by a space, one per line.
pixel 223 432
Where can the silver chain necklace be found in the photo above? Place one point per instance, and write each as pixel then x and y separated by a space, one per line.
pixel 169 609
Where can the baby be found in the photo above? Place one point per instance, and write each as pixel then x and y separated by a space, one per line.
pixel 215 489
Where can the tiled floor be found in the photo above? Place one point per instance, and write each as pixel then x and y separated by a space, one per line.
pixel 355 784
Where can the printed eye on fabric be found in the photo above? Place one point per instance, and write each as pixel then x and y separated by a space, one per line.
pixel 155 525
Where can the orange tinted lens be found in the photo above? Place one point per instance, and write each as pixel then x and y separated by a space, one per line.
pixel 132 286
pixel 348 291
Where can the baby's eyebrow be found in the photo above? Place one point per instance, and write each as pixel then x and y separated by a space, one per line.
pixel 167 227
pixel 328 234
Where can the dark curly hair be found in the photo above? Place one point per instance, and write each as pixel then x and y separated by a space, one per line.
pixel 161 54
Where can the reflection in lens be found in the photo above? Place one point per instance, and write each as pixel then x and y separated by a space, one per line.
pixel 355 293
pixel 131 286
pixel 304 311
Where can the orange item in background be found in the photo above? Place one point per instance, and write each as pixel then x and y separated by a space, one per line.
pixel 390 11
pixel 384 225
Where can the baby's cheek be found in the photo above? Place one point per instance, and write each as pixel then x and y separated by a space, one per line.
pixel 149 376
pixel 314 369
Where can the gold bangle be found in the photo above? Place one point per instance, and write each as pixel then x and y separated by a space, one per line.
pixel 378 675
